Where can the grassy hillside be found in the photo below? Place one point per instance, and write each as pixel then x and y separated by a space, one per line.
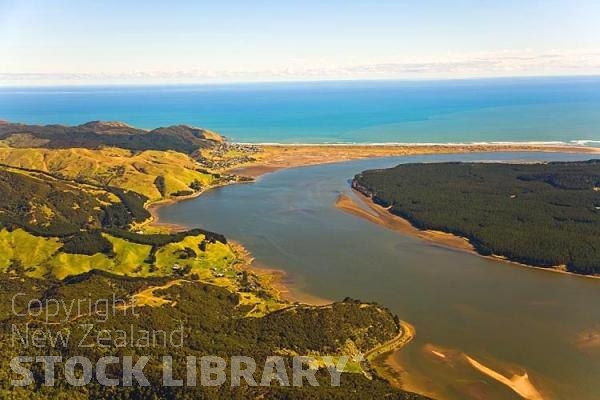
pixel 49 206
pixel 539 214
pixel 116 167
pixel 57 227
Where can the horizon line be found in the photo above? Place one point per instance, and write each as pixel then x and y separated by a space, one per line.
pixel 76 84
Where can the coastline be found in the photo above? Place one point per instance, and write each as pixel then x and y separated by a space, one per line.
pixel 379 357
pixel 381 216
pixel 154 220
pixel 275 280
pixel 273 157
pixel 153 206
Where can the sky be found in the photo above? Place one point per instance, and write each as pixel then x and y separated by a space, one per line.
pixel 126 41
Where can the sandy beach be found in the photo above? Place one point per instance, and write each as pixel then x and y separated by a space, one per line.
pixel 271 157
pixel 379 357
pixel 381 216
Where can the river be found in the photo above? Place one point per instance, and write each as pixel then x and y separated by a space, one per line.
pixel 510 318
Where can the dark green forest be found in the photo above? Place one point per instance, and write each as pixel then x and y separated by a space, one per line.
pixel 539 214
pixel 214 323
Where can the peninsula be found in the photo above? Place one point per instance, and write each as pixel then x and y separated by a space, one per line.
pixel 540 214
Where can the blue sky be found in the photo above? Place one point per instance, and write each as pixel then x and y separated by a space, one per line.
pixel 204 41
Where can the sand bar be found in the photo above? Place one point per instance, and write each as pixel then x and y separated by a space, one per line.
pixel 272 157
pixel 520 384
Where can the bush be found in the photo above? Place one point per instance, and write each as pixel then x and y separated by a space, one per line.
pixel 87 243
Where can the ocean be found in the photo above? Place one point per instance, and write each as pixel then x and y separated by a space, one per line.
pixel 563 109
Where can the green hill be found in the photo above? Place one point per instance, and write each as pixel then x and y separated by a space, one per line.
pixel 48 206
pixel 97 134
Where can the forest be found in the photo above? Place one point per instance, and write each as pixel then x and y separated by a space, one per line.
pixel 215 323
pixel 542 214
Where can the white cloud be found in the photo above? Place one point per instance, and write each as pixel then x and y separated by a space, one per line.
pixel 504 63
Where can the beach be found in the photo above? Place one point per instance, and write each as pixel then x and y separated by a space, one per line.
pixel 379 215
pixel 273 157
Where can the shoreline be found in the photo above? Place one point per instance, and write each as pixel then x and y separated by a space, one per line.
pixel 153 206
pixel 573 143
pixel 274 157
pixel 381 216
pixel 379 356
pixel 276 280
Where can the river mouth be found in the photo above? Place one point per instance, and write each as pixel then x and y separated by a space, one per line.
pixel 511 319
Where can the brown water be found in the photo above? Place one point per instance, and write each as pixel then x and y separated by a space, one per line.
pixel 509 318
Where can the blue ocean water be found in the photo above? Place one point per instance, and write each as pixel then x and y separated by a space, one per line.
pixel 482 110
